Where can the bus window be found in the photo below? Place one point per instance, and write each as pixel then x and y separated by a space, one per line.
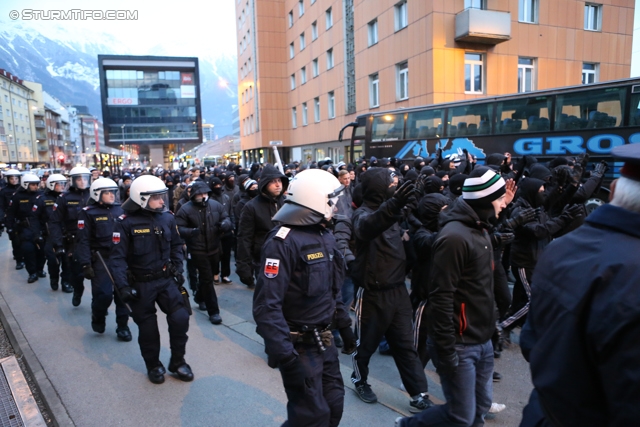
pixel 425 124
pixel 524 115
pixel 600 108
pixel 388 127
pixel 470 120
pixel 634 110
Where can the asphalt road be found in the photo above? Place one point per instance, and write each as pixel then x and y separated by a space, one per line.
pixel 90 379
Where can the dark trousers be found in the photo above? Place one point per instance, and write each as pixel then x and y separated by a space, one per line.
pixel 420 333
pixel 166 294
pixel 16 247
pixel 387 313
pixel 226 244
pixel 192 273
pixel 322 402
pixel 517 313
pixel 76 277
pixel 468 391
pixel 501 286
pixel 208 266
pixel 33 256
pixel 103 295
pixel 53 263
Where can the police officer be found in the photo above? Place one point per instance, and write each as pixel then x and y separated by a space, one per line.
pixel 297 301
pixel 56 184
pixel 95 232
pixel 64 227
pixel 23 223
pixel 146 262
pixel 13 184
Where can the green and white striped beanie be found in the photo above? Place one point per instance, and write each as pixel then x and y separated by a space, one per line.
pixel 484 185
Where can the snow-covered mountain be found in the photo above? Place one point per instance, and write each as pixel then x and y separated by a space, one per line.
pixel 65 62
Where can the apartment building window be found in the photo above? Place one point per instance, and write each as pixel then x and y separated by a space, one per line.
pixel 592 17
pixel 315 68
pixel 528 11
pixel 328 15
pixel 589 73
pixel 291 19
pixel 316 109
pixel 330 59
pixel 303 75
pixel 294 117
pixel 314 30
pixel 526 74
pixel 251 124
pixel 293 81
pixel 301 7
pixel 473 73
pixel 6 98
pixel 401 15
pixel 291 51
pixel 374 92
pixel 372 28
pixel 474 4
pixel 304 114
pixel 402 81
pixel 332 105
pixel 302 42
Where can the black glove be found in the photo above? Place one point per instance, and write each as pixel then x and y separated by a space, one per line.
pixel 128 294
pixel 571 212
pixel 247 280
pixel 88 272
pixel 564 175
pixel 447 365
pixel 404 193
pixel 349 340
pixel 59 250
pixel 498 240
pixel 582 159
pixel 601 169
pixel 179 278
pixel 293 375
pixel 521 218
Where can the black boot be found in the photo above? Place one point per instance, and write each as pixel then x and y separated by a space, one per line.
pixel 54 283
pixel 19 265
pixel 179 367
pixel 98 322
pixel 32 278
pixel 123 333
pixel 156 375
pixel 67 288
pixel 41 273
pixel 77 298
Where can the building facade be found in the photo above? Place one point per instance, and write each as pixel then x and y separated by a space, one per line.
pixel 152 102
pixel 308 67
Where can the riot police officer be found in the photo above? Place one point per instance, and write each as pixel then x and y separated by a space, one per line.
pixel 297 301
pixel 56 184
pixel 146 262
pixel 64 227
pixel 13 184
pixel 93 248
pixel 23 223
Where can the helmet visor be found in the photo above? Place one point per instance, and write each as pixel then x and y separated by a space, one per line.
pixel 80 181
pixel 58 186
pixel 156 201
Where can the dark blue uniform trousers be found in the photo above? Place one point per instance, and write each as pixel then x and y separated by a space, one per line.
pixel 166 294
pixel 102 293
pixel 322 402
pixel 33 256
pixel 53 263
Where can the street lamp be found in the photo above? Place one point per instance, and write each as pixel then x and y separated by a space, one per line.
pixel 124 144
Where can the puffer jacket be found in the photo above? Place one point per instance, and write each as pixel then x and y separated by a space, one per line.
pixel 202 226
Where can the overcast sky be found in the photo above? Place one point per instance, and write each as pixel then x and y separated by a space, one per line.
pixel 201 28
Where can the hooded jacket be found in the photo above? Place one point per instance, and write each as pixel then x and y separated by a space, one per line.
pixel 255 221
pixel 202 226
pixel 461 301
pixel 380 256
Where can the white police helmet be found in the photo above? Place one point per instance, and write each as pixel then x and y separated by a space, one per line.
pixel 311 198
pixel 12 172
pixel 79 172
pixel 100 185
pixel 29 178
pixel 57 178
pixel 143 189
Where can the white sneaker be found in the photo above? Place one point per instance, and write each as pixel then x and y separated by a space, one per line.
pixel 497 407
pixel 402 387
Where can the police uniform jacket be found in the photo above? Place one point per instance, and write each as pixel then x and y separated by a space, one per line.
pixel 583 329
pixel 299 284
pixel 95 231
pixel 144 242
pixel 5 197
pixel 202 226
pixel 45 207
pixel 22 215
pixel 64 218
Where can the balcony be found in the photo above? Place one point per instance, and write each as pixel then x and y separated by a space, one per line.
pixel 40 124
pixel 43 147
pixel 483 26
pixel 41 135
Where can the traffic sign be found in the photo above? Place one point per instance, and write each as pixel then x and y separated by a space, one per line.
pixel 273 143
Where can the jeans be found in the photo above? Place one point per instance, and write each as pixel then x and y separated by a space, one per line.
pixel 468 391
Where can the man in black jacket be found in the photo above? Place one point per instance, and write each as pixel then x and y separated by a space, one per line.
pixel 226 240
pixel 461 310
pixel 382 303
pixel 255 222
pixel 200 223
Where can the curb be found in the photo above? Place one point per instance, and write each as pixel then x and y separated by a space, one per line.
pixel 23 350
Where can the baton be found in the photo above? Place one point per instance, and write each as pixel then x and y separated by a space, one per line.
pixel 115 288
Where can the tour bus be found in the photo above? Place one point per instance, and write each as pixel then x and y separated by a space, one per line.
pixel 545 124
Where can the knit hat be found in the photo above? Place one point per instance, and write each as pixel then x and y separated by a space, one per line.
pixel 483 186
pixel 248 183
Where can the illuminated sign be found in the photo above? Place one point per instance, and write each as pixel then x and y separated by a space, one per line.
pixel 122 101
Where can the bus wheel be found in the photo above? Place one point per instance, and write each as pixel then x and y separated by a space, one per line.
pixel 592 204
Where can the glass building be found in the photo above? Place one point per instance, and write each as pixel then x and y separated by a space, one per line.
pixel 151 102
